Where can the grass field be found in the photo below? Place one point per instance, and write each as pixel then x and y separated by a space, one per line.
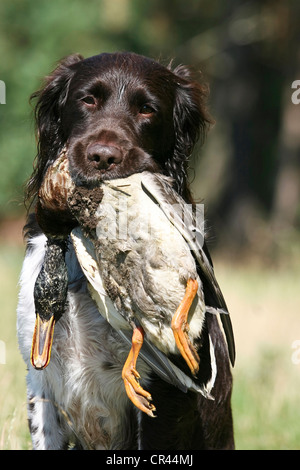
pixel 265 307
pixel 13 420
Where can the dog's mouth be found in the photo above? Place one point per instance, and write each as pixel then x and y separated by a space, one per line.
pixel 110 167
pixel 91 177
pixel 91 164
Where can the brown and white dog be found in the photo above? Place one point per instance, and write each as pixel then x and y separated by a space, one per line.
pixel 119 114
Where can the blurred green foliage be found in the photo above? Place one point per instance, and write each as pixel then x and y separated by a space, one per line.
pixel 249 53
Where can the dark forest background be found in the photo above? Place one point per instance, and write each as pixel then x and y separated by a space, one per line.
pixel 248 172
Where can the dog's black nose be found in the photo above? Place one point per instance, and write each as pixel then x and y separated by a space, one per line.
pixel 103 155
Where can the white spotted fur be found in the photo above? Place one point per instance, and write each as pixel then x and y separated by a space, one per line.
pixel 75 396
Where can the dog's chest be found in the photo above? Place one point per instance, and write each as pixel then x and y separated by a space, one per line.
pixel 86 375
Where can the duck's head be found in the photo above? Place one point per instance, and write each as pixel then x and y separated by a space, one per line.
pixel 50 296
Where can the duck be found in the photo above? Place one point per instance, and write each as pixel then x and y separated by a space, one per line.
pixel 51 286
pixel 142 250
pixel 50 297
pixel 147 270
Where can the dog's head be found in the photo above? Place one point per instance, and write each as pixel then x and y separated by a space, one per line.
pixel 118 114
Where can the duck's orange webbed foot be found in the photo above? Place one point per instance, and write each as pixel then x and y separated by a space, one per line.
pixel 139 397
pixel 180 327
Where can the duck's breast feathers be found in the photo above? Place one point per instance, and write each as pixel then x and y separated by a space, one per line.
pixel 187 218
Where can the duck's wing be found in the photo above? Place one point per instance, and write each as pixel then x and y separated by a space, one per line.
pixel 161 365
pixel 189 221
pixel 86 255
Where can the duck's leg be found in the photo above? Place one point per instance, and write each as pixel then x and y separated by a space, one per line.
pixel 139 397
pixel 180 327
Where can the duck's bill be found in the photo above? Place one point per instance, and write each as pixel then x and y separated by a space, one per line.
pixel 42 342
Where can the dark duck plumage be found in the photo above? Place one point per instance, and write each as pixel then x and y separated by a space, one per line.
pixel 150 277
pixel 51 286
pixel 50 295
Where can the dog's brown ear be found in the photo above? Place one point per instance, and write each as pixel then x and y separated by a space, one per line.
pixel 191 122
pixel 191 105
pixel 182 71
pixel 50 99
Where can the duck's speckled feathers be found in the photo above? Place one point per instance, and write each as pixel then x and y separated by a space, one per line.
pixel 92 251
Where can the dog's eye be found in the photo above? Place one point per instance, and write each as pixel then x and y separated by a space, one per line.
pixel 146 109
pixel 89 100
